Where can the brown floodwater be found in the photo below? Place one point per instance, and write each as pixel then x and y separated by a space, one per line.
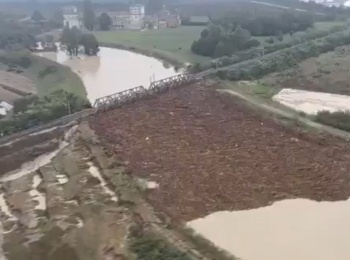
pixel 287 230
pixel 113 70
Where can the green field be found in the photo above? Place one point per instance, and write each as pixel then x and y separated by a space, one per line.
pixel 172 44
pixel 57 78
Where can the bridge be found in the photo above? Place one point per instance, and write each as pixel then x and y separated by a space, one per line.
pixel 130 95
pixel 112 101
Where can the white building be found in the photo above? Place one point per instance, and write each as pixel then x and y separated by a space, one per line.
pixel 72 17
pixel 137 12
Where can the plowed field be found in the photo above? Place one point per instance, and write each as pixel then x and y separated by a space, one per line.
pixel 209 152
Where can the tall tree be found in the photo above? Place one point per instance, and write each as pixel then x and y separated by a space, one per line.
pixel 89 18
pixel 70 39
pixel 90 43
pixel 105 21
pixel 37 16
pixel 240 37
pixel 58 18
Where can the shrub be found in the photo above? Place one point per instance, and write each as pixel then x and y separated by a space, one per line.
pixel 260 66
pixel 43 110
pixel 297 39
pixel 340 120
pixel 146 245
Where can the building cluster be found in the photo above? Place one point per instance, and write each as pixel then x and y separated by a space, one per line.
pixel 133 19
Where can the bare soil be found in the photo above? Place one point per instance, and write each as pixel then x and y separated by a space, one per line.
pixel 208 152
pixel 14 86
pixel 328 72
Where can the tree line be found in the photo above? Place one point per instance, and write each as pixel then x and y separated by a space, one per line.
pixel 217 41
pixel 300 37
pixel 228 35
pixel 285 58
pixel 72 39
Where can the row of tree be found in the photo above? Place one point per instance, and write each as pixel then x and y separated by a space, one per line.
pixel 300 37
pixel 90 22
pixel 73 40
pixel 227 35
pixel 286 58
pixel 217 41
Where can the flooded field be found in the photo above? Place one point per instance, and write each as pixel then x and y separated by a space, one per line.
pixel 113 70
pixel 290 229
pixel 50 208
pixel 311 102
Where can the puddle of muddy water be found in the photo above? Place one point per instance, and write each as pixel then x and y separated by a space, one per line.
pixel 34 165
pixel 96 173
pixel 291 229
pixel 80 223
pixel 5 208
pixel 311 102
pixel 33 238
pixel 36 195
pixel 62 179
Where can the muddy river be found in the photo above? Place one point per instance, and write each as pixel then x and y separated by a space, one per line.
pixel 113 70
pixel 290 229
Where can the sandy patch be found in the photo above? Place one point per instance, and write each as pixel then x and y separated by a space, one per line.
pixel 290 229
pixel 311 102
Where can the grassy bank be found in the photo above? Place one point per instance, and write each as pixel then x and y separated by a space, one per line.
pixel 48 76
pixel 173 45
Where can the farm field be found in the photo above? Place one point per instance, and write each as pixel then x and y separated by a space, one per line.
pixel 209 152
pixel 174 44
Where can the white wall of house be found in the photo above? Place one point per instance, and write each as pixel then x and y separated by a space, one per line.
pixel 137 12
pixel 72 20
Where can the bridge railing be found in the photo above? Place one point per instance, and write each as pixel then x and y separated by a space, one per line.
pixel 127 96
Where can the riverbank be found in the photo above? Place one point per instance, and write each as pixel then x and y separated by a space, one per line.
pixel 149 53
pixel 170 45
pixel 47 76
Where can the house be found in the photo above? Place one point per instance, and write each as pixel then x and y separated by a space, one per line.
pixel 137 12
pixel 120 19
pixel 168 20
pixel 72 17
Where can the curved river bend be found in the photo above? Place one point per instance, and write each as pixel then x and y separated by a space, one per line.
pixel 113 70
